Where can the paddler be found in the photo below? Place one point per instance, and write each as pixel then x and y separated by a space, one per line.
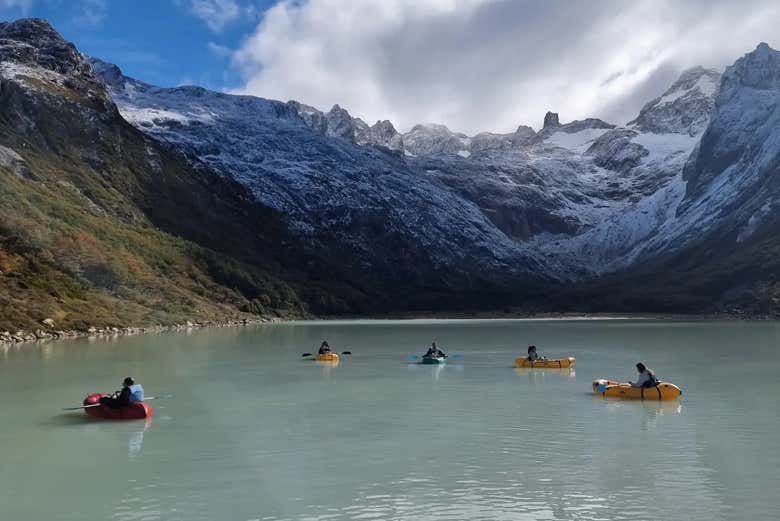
pixel 324 348
pixel 646 377
pixel 434 352
pixel 131 392
pixel 533 356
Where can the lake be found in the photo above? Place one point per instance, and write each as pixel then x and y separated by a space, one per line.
pixel 255 432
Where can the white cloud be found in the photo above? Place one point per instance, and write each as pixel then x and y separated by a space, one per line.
pixel 22 5
pixel 216 14
pixel 90 13
pixel 219 50
pixel 492 64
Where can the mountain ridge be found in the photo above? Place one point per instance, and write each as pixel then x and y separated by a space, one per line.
pixel 290 210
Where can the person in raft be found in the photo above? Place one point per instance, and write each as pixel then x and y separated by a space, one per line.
pixel 324 348
pixel 434 352
pixel 533 356
pixel 131 392
pixel 646 377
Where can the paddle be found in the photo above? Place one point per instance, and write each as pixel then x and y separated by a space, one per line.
pixel 456 356
pixel 98 404
pixel 304 355
pixel 603 387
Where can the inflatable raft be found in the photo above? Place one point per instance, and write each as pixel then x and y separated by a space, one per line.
pixel 553 363
pixel 434 359
pixel 134 411
pixel 327 357
pixel 662 391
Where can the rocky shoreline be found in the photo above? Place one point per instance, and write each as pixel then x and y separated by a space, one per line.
pixel 47 332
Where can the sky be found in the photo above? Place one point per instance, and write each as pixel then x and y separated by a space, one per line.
pixel 473 65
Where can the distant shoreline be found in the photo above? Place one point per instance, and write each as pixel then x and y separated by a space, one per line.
pixel 517 315
pixel 28 337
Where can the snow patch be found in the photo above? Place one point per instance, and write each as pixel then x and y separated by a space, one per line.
pixel 576 141
pixel 665 145
pixel 706 86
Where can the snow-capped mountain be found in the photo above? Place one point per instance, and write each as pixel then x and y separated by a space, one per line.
pixel 584 195
pixel 367 200
pixel 692 174
pixel 684 107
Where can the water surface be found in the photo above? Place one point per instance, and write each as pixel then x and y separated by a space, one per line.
pixel 255 432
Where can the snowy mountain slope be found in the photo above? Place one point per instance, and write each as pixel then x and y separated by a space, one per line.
pixel 101 225
pixel 582 195
pixel 719 250
pixel 727 190
pixel 367 201
pixel 690 186
pixel 684 107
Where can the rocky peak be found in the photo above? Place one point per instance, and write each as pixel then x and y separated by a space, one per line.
pixel 524 135
pixel 34 54
pixel 340 124
pixel 551 120
pixel 33 42
pixel 744 127
pixel 381 133
pixel 552 126
pixel 313 118
pixel 433 139
pixel 684 108
pixel 759 69
pixel 111 74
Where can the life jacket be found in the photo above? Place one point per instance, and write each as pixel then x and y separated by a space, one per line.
pixel 136 393
pixel 652 382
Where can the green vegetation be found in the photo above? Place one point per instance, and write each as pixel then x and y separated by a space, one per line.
pixel 104 227
pixel 64 258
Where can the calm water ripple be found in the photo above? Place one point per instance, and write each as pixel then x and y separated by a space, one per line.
pixel 256 433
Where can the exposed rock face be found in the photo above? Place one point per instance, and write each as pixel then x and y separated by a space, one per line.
pixel 381 134
pixel 551 120
pixel 432 139
pixel 523 136
pixel 15 163
pixel 554 126
pixel 738 158
pixel 34 54
pixel 615 150
pixel 488 141
pixel 684 108
pixel 743 129
pixel 339 124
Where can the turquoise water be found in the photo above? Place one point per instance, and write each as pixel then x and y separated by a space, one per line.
pixel 255 432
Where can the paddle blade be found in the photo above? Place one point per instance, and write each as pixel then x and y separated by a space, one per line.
pixel 412 358
pixel 80 407
pixel 346 352
pixel 160 397
pixel 456 356
pixel 304 355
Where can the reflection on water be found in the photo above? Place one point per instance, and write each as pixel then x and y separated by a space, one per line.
pixel 254 433
pixel 568 372
pixel 135 439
